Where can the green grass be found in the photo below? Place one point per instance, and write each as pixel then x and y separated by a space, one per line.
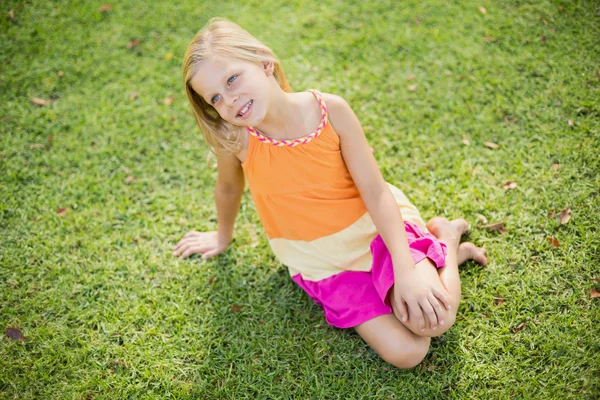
pixel 108 312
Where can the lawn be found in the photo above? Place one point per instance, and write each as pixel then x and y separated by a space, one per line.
pixel 106 170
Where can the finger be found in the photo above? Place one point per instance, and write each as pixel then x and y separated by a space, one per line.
pixel 192 234
pixel 442 296
pixel 417 315
pixel 400 311
pixel 182 246
pixel 210 254
pixel 430 313
pixel 193 250
pixel 194 241
pixel 180 243
pixel 437 307
pixel 189 239
pixel 403 310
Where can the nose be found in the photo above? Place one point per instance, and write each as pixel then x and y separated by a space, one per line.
pixel 230 99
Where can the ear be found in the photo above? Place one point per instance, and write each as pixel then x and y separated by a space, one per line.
pixel 269 67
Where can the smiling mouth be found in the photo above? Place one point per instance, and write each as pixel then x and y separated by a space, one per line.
pixel 245 109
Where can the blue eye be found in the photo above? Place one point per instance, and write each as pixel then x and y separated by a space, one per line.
pixel 215 98
pixel 231 79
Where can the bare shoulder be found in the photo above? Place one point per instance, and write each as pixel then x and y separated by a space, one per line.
pixel 341 116
pixel 336 104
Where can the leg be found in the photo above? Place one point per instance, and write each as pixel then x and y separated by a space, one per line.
pixel 448 232
pixel 393 341
pixel 448 316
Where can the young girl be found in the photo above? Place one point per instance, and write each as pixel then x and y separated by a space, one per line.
pixel 354 243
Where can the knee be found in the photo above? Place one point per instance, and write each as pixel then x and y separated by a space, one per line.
pixel 448 323
pixel 408 356
pixel 439 330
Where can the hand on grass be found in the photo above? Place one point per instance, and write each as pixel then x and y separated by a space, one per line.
pixel 206 243
pixel 418 297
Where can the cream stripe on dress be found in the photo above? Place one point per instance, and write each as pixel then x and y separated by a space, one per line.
pixel 346 250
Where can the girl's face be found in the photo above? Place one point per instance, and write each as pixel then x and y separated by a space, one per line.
pixel 237 89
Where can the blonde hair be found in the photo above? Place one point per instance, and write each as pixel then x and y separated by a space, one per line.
pixel 227 39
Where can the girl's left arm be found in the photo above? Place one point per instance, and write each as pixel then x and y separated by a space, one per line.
pixel 410 288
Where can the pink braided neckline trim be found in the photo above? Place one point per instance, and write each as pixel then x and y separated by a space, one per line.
pixel 295 142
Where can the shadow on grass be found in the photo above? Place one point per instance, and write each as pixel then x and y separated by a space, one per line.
pixel 267 335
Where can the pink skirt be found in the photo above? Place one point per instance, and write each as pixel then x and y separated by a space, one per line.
pixel 353 297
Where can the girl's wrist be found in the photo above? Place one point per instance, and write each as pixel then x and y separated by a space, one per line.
pixel 225 236
pixel 402 264
pixel 225 239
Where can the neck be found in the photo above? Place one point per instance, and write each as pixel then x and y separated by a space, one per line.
pixel 282 116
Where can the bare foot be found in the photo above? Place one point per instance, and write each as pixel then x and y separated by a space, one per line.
pixel 448 231
pixel 468 251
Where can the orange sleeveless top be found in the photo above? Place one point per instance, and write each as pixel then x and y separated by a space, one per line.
pixel 308 204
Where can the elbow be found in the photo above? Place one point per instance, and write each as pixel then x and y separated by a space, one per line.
pixel 230 188
pixel 375 193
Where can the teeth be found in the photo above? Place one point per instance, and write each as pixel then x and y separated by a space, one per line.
pixel 246 108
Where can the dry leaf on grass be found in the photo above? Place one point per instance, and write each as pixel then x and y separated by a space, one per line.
pixel 60 74
pixel 498 226
pixel 553 241
pixel 62 211
pixel 489 39
pixel 481 218
pixel 555 167
pixel 498 300
pixel 520 327
pixel 11 13
pixel 596 280
pixel 133 95
pixel 169 100
pixel 491 145
pixel 411 77
pixel 565 216
pixel 412 88
pixel 510 185
pixel 39 102
pixel 482 10
pixel 594 293
pixel 236 308
pixel 119 362
pixel 134 43
pixel 105 8
pixel 465 141
pixel 15 334
pixel 130 179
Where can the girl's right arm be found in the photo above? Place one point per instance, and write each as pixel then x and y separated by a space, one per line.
pixel 228 196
